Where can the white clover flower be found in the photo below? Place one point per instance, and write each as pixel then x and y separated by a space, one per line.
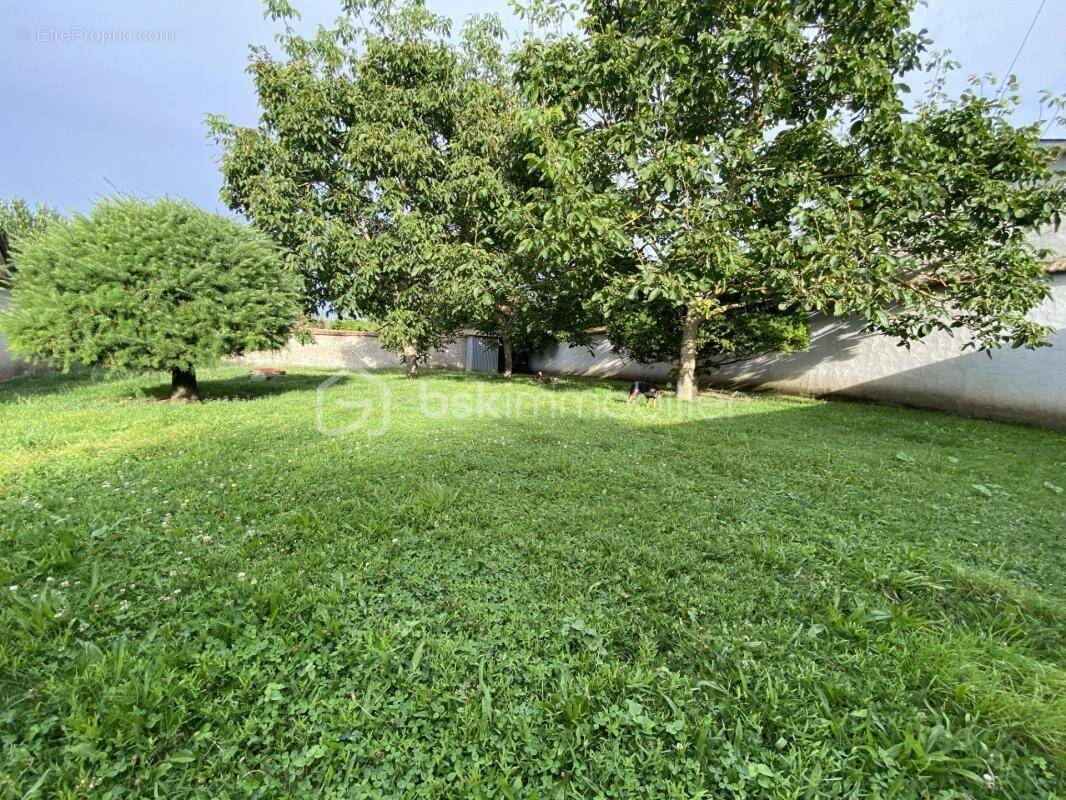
pixel 240 576
pixel 13 588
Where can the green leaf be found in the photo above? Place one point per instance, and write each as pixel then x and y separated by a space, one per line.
pixel 416 659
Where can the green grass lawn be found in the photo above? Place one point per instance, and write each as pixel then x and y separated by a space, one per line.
pixel 509 590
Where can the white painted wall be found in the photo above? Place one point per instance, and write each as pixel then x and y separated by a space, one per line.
pixel 1016 385
pixel 348 350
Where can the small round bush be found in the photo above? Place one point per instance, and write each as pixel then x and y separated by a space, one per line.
pixel 138 285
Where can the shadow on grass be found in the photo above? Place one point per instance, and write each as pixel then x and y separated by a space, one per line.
pixel 40 384
pixel 241 386
pixel 560 383
pixel 238 387
pixel 233 387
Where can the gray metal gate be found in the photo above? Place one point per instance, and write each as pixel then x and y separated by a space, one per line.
pixel 482 354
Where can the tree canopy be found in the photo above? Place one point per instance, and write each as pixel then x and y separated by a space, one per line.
pixel 18 221
pixel 743 164
pixel 701 176
pixel 347 168
pixel 389 162
pixel 141 285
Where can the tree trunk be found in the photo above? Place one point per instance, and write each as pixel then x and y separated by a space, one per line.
pixel 508 357
pixel 410 360
pixel 183 386
pixel 687 389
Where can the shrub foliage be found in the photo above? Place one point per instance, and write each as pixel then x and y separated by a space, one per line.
pixel 141 285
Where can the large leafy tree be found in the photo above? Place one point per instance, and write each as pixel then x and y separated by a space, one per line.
pixel 149 286
pixel 742 163
pixel 390 163
pixel 348 167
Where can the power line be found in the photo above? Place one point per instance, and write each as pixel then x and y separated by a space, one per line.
pixel 1003 82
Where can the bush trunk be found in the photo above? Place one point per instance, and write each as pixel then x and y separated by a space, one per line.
pixel 183 386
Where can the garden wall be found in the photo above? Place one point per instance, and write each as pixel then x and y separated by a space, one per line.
pixel 349 350
pixel 1014 385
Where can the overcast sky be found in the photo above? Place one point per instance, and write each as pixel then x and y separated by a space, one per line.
pixel 82 113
